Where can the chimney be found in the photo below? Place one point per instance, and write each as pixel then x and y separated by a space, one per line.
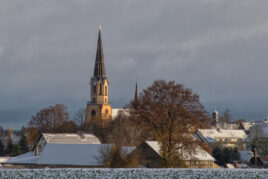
pixel 236 164
pixel 36 150
pixel 81 134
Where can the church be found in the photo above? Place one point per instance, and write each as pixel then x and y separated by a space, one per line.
pixel 99 105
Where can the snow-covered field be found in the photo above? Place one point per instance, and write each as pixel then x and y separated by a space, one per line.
pixel 134 173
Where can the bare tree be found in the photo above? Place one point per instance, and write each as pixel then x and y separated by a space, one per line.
pixel 80 117
pixel 171 113
pixel 115 156
pixel 226 117
pixel 50 118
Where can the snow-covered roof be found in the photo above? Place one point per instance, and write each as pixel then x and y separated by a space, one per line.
pixel 247 125
pixel 198 154
pixel 211 134
pixel 245 155
pixel 71 138
pixel 116 110
pixel 230 166
pixel 259 129
pixel 225 125
pixel 65 154
pixel 3 159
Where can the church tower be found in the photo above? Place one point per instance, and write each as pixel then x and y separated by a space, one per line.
pixel 99 106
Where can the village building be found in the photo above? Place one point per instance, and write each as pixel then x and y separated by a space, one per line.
pixel 65 138
pixel 245 126
pixel 223 137
pixel 58 155
pixel 150 156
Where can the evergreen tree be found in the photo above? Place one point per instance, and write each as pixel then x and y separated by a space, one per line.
pixel 225 155
pixel 1 148
pixel 10 148
pixel 23 144
pixel 236 155
pixel 16 150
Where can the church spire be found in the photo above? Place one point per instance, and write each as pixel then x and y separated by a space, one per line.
pixel 136 92
pixel 99 70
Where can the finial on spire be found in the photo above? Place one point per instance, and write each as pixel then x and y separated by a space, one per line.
pixel 99 26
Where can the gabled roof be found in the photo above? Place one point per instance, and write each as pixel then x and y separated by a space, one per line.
pixel 71 138
pixel 247 125
pixel 65 154
pixel 199 154
pixel 211 134
pixel 258 130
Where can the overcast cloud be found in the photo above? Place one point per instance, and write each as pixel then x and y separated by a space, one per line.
pixel 216 47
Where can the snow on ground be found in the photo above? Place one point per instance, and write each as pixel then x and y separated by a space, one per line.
pixel 134 173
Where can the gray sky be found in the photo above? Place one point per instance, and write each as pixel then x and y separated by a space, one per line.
pixel 216 47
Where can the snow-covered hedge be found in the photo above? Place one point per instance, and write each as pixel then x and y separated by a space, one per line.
pixel 134 173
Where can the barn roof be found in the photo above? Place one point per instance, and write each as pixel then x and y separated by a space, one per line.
pixel 66 154
pixel 199 154
pixel 71 138
pixel 211 134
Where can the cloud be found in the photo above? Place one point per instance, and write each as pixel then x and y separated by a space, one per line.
pixel 47 52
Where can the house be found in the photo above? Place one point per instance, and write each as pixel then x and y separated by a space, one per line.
pixel 245 156
pixel 245 126
pixel 117 111
pixel 66 138
pixel 149 154
pixel 55 155
pixel 224 137
pixel 3 159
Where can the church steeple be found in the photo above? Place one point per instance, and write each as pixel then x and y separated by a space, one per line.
pixel 99 105
pixel 99 70
pixel 136 92
pixel 99 81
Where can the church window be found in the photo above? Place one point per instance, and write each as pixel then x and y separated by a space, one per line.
pixel 106 111
pixel 106 91
pixel 94 89
pixel 100 89
pixel 93 113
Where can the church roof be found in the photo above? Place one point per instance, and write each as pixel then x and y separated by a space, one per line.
pixel 99 70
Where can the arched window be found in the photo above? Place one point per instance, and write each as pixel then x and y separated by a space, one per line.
pixel 106 90
pixel 94 89
pixel 93 113
pixel 100 89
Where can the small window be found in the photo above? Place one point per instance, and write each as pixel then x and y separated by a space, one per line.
pixel 100 89
pixel 106 111
pixel 94 89
pixel 93 113
pixel 106 90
